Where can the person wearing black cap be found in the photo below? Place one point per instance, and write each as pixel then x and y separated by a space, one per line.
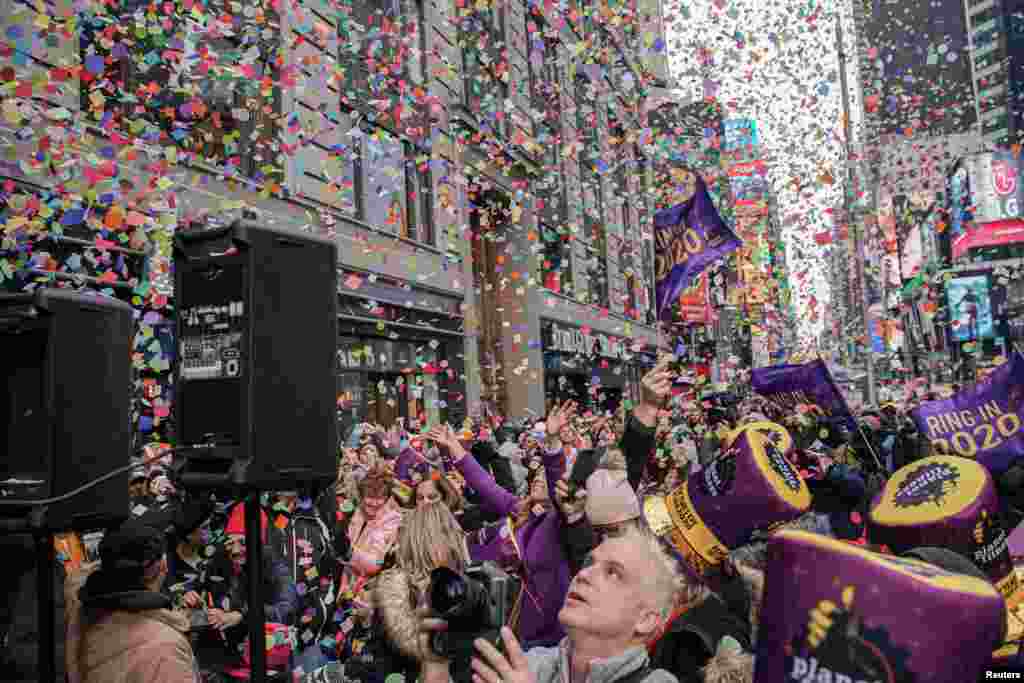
pixel 126 630
pixel 187 563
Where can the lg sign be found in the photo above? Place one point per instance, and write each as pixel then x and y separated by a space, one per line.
pixel 1004 177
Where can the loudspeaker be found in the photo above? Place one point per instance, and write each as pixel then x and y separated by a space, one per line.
pixel 257 339
pixel 65 403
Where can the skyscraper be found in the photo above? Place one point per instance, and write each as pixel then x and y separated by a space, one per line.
pixel 915 67
pixel 996 32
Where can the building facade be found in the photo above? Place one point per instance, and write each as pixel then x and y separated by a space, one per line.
pixel 996 31
pixel 481 167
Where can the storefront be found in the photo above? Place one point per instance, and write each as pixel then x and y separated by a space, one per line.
pixel 597 370
pixel 399 359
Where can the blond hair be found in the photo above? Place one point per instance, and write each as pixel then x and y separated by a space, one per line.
pixel 424 531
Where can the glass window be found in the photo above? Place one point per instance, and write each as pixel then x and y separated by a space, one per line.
pixel 556 260
pixel 545 84
pixel 384 181
pixel 204 85
pixel 980 18
pixel 482 36
pixel 984 60
pixel 596 263
pixel 996 123
pixel 550 187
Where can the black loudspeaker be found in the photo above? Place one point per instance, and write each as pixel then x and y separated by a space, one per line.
pixel 256 362
pixel 65 403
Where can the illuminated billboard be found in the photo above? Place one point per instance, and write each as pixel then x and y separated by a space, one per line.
pixel 970 308
pixel 996 190
pixel 739 134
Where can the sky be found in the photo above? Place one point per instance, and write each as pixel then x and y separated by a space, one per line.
pixel 777 63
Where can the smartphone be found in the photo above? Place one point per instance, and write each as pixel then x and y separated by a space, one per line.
pixel 69 549
pixel 586 462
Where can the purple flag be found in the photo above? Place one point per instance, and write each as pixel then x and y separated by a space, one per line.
pixel 983 421
pixel 811 383
pixel 688 238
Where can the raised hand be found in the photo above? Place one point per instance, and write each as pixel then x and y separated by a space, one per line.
pixel 655 388
pixel 559 418
pixel 494 667
pixel 571 506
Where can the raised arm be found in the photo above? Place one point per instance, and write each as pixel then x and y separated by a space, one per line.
pixel 493 498
pixel 638 441
pixel 554 454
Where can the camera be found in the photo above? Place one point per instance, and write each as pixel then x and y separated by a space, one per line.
pixel 476 604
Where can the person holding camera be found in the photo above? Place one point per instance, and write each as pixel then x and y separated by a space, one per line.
pixel 613 606
pixel 528 544
pixel 430 538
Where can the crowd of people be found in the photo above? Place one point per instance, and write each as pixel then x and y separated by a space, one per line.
pixel 675 541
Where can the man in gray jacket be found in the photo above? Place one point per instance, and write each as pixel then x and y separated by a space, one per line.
pixel 617 602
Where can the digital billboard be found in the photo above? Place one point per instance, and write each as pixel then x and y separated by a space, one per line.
pixel 995 186
pixel 739 134
pixel 959 201
pixel 970 308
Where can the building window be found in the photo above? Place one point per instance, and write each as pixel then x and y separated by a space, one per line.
pixel 596 266
pixel 550 187
pixel 385 180
pixel 996 123
pixel 594 262
pixel 981 17
pixel 383 167
pixel 545 84
pixel 382 59
pixel 206 86
pixel 556 260
pixel 629 256
pixel 987 59
pixel 482 36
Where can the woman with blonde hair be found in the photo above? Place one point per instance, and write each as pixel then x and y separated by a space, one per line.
pixel 430 538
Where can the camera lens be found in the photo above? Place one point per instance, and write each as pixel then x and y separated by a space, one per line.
pixel 457 598
pixel 448 591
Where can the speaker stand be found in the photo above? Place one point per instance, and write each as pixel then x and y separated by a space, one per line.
pixel 257 613
pixel 34 524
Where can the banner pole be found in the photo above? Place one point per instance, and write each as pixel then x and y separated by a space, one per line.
pixel 860 428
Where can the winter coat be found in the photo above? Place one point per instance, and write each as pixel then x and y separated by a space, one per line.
pixel 498 467
pixel 229 592
pixel 533 551
pixel 134 637
pixel 637 445
pixel 551 665
pixel 396 600
pixel 307 550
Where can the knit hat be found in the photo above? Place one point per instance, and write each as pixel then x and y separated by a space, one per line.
pixel 949 502
pixel 133 545
pixel 610 498
pixel 834 611
pixel 129 556
pixel 751 485
pixel 236 522
pixel 192 516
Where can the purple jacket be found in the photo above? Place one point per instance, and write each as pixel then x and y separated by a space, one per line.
pixel 541 561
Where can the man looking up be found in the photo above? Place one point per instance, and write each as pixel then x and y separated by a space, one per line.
pixel 614 605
